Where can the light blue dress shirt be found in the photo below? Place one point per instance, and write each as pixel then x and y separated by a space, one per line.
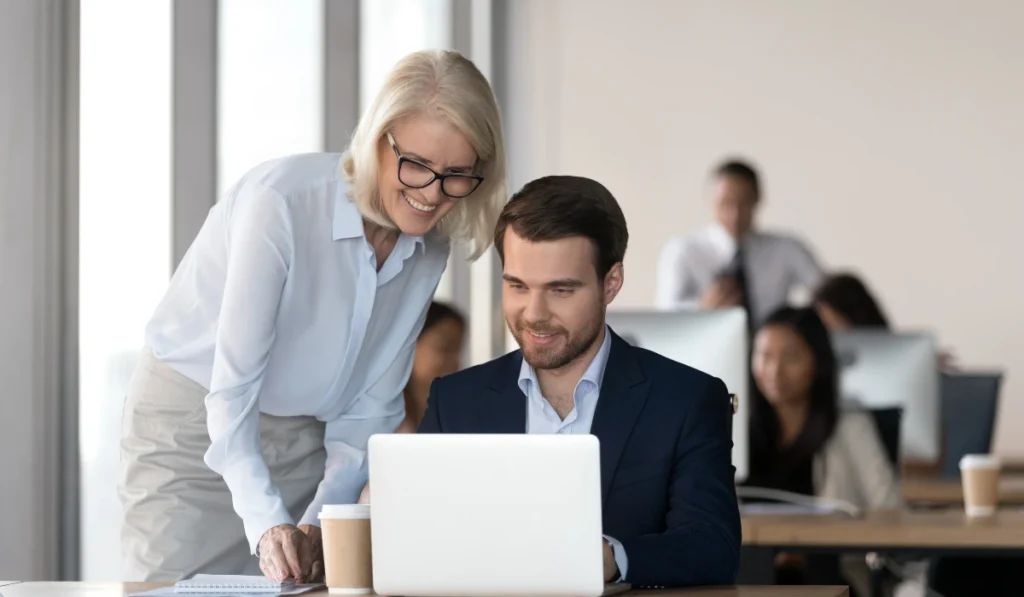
pixel 278 308
pixel 542 418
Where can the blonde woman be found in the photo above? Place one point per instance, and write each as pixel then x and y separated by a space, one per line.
pixel 287 334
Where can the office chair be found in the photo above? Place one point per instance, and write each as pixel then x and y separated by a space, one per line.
pixel 888 421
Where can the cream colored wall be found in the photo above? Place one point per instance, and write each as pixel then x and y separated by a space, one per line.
pixel 890 135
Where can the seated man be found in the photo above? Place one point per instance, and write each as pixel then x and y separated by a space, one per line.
pixel 669 503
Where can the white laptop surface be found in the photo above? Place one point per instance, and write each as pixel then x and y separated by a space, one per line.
pixel 486 515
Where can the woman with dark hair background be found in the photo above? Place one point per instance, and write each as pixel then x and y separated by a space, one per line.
pixel 844 302
pixel 438 353
pixel 799 440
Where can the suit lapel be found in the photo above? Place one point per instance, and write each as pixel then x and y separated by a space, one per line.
pixel 624 390
pixel 503 407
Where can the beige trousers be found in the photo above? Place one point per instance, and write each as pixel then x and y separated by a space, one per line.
pixel 178 517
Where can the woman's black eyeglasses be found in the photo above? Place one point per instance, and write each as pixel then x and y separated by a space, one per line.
pixel 417 175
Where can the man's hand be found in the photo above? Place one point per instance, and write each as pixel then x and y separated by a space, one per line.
pixel 285 552
pixel 611 569
pixel 316 544
pixel 723 292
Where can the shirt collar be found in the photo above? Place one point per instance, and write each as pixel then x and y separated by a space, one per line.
pixel 593 375
pixel 348 222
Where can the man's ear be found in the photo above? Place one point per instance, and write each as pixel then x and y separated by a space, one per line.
pixel 613 283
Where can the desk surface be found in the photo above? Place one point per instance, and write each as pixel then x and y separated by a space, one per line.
pixel 895 529
pixel 84 589
pixel 950 491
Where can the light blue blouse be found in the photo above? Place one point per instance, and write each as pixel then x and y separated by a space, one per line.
pixel 278 308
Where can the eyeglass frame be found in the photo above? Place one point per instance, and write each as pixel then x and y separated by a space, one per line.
pixel 436 175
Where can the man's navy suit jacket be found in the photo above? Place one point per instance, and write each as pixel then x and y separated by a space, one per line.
pixel 667 480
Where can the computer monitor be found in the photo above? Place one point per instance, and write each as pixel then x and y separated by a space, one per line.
pixel 714 342
pixel 881 369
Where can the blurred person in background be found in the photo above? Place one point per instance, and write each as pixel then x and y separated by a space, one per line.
pixel 731 263
pixel 844 303
pixel 287 336
pixel 801 443
pixel 438 353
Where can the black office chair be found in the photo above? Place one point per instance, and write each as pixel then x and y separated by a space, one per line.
pixel 969 404
pixel 888 421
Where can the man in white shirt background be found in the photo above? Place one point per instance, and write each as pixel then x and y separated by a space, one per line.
pixel 730 263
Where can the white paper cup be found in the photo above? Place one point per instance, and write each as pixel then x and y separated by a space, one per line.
pixel 979 474
pixel 346 535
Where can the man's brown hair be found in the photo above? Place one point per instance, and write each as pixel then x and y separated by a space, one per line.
pixel 557 207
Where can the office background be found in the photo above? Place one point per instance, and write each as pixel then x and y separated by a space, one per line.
pixel 889 135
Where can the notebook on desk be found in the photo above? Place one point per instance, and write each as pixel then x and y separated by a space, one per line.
pixel 225 585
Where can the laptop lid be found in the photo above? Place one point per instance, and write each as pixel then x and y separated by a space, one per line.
pixel 483 515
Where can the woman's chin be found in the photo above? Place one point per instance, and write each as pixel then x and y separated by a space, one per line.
pixel 416 225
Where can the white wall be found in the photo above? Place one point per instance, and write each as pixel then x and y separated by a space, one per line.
pixel 891 135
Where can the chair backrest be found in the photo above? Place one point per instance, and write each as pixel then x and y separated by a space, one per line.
pixel 969 405
pixel 888 421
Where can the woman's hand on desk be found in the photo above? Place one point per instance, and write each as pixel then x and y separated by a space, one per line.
pixel 316 544
pixel 286 552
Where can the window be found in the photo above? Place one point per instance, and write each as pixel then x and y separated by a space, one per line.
pixel 125 247
pixel 270 96
pixel 391 29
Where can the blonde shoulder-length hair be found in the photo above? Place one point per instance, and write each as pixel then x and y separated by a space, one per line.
pixel 446 84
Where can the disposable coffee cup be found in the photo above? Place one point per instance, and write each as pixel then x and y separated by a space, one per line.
pixel 980 476
pixel 346 537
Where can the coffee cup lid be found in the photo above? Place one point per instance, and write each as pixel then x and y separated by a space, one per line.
pixel 345 511
pixel 979 461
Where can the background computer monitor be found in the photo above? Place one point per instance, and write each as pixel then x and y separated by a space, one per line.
pixel 880 369
pixel 714 342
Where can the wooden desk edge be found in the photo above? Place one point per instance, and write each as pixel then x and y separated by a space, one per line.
pixel 98 589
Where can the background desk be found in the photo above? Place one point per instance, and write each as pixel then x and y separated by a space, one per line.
pixel 950 491
pixel 71 589
pixel 944 533
pixel 888 531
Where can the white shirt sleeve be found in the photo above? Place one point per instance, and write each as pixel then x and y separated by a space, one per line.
pixel 379 410
pixel 675 287
pixel 621 561
pixel 806 270
pixel 259 256
pixel 805 274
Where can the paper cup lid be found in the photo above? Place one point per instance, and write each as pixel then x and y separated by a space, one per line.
pixel 979 461
pixel 345 511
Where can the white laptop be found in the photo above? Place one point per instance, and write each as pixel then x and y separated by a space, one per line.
pixel 486 515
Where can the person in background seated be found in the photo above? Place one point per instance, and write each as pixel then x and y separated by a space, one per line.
pixel 668 494
pixel 799 441
pixel 844 303
pixel 438 353
pixel 731 263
